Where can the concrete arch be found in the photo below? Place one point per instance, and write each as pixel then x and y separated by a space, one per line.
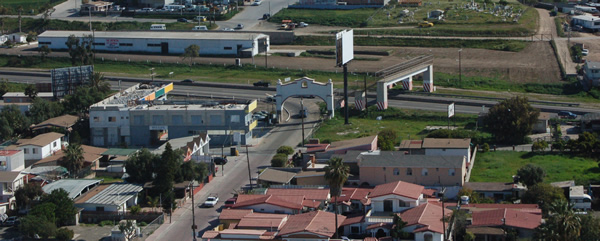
pixel 305 87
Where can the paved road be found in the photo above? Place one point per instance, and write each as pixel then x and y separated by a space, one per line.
pixel 251 17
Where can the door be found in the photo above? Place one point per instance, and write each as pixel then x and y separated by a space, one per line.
pixel 164 48
pixel 388 206
pixel 239 50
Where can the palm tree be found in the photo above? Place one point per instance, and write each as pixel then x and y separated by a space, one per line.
pixel 336 173
pixel 98 82
pixel 73 159
pixel 153 201
pixel 562 224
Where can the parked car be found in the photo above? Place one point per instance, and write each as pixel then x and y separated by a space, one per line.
pixel 256 3
pixel 425 24
pixel 302 25
pixel 182 20
pixel 220 160
pixel 187 81
pixel 262 83
pixel 211 201
pixel 230 202
pixel 567 115
pixel 239 26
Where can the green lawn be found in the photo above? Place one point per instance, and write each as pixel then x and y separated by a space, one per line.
pixel 109 179
pixel 405 122
pixel 30 7
pixel 501 165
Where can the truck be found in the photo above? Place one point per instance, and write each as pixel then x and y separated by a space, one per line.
pixel 579 199
pixel 211 200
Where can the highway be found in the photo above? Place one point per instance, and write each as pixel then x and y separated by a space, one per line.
pixel 200 89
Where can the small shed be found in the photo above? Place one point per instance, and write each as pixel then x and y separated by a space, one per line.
pixel 542 125
pixel 19 37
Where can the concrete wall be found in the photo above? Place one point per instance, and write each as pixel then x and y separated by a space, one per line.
pixel 435 176
pixel 16 162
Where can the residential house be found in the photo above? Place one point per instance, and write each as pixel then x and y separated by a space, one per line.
pixel 21 97
pixel 324 152
pixel 433 171
pixel 10 182
pixel 12 160
pixel 425 221
pixel 271 176
pixel 39 147
pixel 64 122
pixel 315 177
pixel 588 22
pixel 542 125
pixel 237 234
pixel 270 203
pixel 75 187
pixel 230 216
pixel 313 197
pixel 116 197
pixel 396 196
pixel 353 200
pixel 354 225
pixel 490 221
pixel 591 72
pixel 263 221
pixel 412 147
pixel 448 147
pixel 315 225
pixel 91 158
pixel 497 191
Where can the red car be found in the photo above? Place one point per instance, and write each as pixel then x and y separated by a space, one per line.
pixel 230 202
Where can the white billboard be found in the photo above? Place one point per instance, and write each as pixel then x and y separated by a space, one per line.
pixel 450 110
pixel 344 47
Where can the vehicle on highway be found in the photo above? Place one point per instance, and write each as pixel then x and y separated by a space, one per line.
pixel 239 26
pixel 158 27
pixel 567 115
pixel 220 160
pixel 182 20
pixel 200 28
pixel 262 83
pixel 425 24
pixel 228 29
pixel 256 3
pixel 230 202
pixel 302 25
pixel 148 9
pixel 187 81
pixel 211 201
pixel 200 18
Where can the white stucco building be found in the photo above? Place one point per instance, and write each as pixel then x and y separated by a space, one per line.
pixel 12 160
pixel 211 43
pixel 39 147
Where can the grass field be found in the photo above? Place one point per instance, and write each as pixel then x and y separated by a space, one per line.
pixel 406 122
pixel 39 25
pixel 30 7
pixel 491 44
pixel 501 165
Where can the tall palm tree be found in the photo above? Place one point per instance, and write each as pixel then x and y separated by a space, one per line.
pixel 336 173
pixel 153 201
pixel 98 82
pixel 562 224
pixel 73 159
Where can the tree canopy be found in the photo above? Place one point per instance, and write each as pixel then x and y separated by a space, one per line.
pixel 190 53
pixel 531 174
pixel 511 120
pixel 386 139
pixel 140 166
pixel 65 209
pixel 543 194
pixel 73 159
pixel 80 50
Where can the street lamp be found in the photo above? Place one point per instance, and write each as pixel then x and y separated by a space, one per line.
pixel 459 65
pixel 90 14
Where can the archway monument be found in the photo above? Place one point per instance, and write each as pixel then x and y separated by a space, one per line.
pixel 305 87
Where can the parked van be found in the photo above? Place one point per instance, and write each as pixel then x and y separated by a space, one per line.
pixel 158 27
pixel 200 28
pixel 579 199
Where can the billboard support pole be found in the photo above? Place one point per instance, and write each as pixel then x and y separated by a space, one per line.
pixel 346 94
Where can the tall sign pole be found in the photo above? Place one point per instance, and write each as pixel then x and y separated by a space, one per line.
pixel 344 49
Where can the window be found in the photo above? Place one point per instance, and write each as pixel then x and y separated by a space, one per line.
pixel 112 119
pixel 228 48
pixel 428 237
pixel 177 119
pixel 125 44
pixel 158 120
pixel 396 172
pixel 34 150
pixel 96 119
pixel 409 171
pixel 100 44
pixel 451 172
pixel 54 144
pixel 235 118
pixel 44 43
pixel 196 119
pixel 216 120
pixel 99 209
pixel 596 23
pixel 354 229
pixel 424 172
pixel 138 119
pixel 403 204
pixel 153 45
pixel 26 150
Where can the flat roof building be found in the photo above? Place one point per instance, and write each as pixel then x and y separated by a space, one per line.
pixel 213 43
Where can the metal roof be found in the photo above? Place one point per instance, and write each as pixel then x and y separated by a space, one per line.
pixel 204 35
pixel 73 186
pixel 116 194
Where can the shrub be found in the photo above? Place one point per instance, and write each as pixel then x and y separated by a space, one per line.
pixel 485 147
pixel 64 234
pixel 135 209
pixel 386 139
pixel 279 160
pixel 106 223
pixel 142 224
pixel 288 150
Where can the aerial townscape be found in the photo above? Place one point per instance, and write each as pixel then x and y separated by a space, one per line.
pixel 300 120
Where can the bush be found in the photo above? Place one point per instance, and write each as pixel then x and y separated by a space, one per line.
pixel 106 223
pixel 485 147
pixel 279 160
pixel 287 150
pixel 386 139
pixel 539 145
pixel 142 224
pixel 135 209
pixel 64 234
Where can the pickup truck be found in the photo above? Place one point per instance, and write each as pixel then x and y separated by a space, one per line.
pixel 211 201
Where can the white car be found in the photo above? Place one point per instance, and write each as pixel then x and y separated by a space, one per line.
pixel 228 29
pixel 256 3
pixel 302 25
pixel 211 201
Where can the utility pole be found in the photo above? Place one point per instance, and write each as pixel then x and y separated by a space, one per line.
pixel 152 73
pixel 459 66
pixel 346 94
pixel 366 101
pixel 90 13
pixel 194 227
pixel 302 113
pixel 443 192
pixel 248 158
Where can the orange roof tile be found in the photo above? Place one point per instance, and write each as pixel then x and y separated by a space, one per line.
pixel 508 217
pixel 399 188
pixel 317 222
pixel 427 215
pixel 308 193
pixel 234 213
pixel 292 202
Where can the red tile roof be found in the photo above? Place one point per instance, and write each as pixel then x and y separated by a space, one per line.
pixel 266 222
pixel 317 222
pixel 379 225
pixel 350 193
pixel 499 205
pixel 399 188
pixel 308 193
pixel 311 203
pixel 291 202
pixel 354 219
pixel 370 239
pixel 429 192
pixel 8 152
pixel 428 216
pixel 316 148
pixel 234 213
pixel 210 234
pixel 508 217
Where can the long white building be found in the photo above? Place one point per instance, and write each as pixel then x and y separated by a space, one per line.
pixel 234 44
